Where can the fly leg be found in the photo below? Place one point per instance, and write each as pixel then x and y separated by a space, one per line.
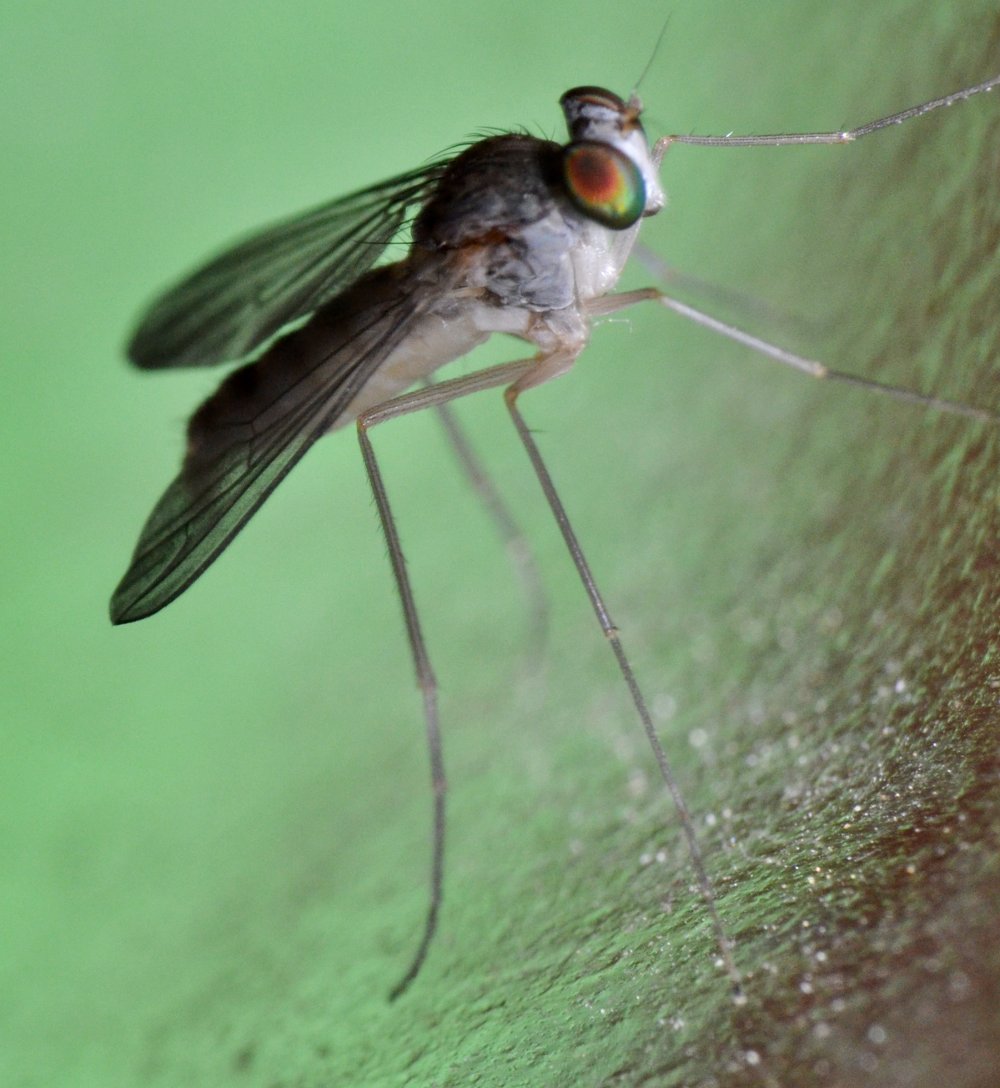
pixel 514 540
pixel 610 304
pixel 517 376
pixel 423 398
pixel 610 630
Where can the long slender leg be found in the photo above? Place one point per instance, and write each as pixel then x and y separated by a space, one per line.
pixel 611 633
pixel 522 373
pixel 433 395
pixel 610 304
pixel 509 531
pixel 428 688
pixel 842 136
pixel 741 303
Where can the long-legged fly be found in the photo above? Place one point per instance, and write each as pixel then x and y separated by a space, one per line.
pixel 514 234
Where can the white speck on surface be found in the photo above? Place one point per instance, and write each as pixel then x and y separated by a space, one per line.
pixel 877 1034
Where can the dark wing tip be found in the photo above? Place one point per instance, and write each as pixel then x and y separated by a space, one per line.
pixel 125 609
pixel 140 595
pixel 165 561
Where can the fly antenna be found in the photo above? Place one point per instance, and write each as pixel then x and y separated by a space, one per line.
pixel 652 56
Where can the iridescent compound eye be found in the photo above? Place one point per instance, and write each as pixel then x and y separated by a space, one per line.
pixel 603 183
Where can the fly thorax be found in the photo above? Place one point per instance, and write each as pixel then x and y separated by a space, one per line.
pixel 533 268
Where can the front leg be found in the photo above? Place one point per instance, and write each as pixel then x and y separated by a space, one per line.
pixel 610 304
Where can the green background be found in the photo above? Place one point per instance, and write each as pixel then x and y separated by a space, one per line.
pixel 215 823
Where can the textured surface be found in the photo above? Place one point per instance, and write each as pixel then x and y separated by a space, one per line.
pixel 215 823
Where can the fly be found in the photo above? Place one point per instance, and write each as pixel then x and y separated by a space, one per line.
pixel 514 234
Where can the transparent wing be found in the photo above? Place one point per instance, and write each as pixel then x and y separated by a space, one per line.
pixel 262 419
pixel 237 301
